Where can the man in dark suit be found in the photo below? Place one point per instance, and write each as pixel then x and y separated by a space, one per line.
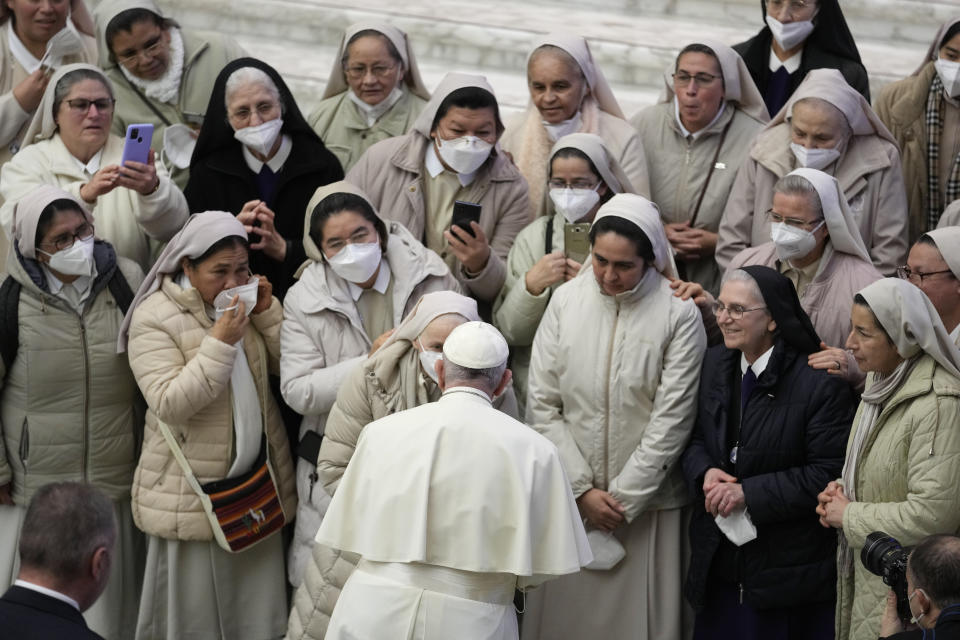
pixel 66 548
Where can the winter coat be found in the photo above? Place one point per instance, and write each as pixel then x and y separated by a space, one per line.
pixel 184 374
pixel 390 174
pixel 869 175
pixel 69 409
pixel 613 383
pixel 906 486
pixel 791 444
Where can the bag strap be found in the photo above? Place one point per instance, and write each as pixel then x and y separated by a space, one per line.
pixel 548 240
pixel 9 321
pixel 713 165
pixel 146 101
pixel 121 291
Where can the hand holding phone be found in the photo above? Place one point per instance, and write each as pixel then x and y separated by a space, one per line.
pixel 464 213
pixel 576 241
pixel 136 145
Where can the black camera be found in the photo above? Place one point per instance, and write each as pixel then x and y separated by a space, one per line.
pixel 882 555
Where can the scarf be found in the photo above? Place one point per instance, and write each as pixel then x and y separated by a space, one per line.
pixel 934 124
pixel 166 88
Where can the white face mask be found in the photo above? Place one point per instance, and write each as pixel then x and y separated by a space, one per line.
pixel 791 34
pixel 66 42
pixel 949 73
pixel 179 141
pixel 792 242
pixel 76 260
pixel 247 293
pixel 464 154
pixel 814 158
pixel 261 137
pixel 357 262
pixel 574 203
pixel 428 360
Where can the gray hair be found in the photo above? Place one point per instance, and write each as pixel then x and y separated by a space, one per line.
pixel 823 105
pixel 66 83
pixel 487 379
pixel 560 53
pixel 739 275
pixel 799 186
pixel 65 524
pixel 250 75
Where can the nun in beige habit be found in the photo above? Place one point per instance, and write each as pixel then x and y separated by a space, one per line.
pixel 702 131
pixel 936 255
pixel 569 94
pixel 374 91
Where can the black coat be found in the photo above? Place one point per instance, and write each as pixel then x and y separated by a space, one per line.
pixel 793 438
pixel 25 613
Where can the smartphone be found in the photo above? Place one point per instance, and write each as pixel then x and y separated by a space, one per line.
pixel 136 146
pixel 576 241
pixel 464 213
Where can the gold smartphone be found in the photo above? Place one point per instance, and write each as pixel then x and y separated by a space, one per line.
pixel 576 241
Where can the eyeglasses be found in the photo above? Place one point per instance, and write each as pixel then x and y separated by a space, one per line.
pixel 906 273
pixel 265 110
pixel 378 70
pixel 792 222
pixel 152 50
pixel 735 311
pixel 682 78
pixel 796 7
pixel 64 241
pixel 82 105
pixel 556 183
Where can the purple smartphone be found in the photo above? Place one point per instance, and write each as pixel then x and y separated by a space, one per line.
pixel 136 146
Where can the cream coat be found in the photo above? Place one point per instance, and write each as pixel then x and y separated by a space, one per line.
pixel 681 168
pixel 869 174
pixel 136 225
pixel 390 174
pixel 344 130
pixel 613 383
pixel 323 340
pixel 69 408
pixel 184 374
pixel 906 486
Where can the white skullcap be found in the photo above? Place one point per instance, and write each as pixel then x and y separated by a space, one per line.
pixel 476 345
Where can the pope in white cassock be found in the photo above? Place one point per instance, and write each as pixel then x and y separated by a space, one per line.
pixel 451 506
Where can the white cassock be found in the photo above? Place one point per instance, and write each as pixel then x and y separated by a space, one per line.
pixel 452 505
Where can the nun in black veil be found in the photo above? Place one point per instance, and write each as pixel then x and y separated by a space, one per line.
pixel 769 429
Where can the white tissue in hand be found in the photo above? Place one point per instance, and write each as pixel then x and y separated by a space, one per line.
pixel 738 527
pixel 607 550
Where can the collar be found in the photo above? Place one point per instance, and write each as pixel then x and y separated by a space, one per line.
pixel 47 592
pixel 697 134
pixel 470 390
pixel 791 64
pixel 434 167
pixel 20 52
pixel 166 88
pixel 81 284
pixel 93 165
pixel 276 162
pixel 379 285
pixel 557 131
pixel 373 112
pixel 758 366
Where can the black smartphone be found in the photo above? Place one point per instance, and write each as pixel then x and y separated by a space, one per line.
pixel 464 213
pixel 309 447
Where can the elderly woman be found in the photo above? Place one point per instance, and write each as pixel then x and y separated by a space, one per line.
pixel 923 114
pixel 934 266
pixel 69 145
pixel 826 125
pixel 374 91
pixel 399 376
pixel 569 94
pixel 162 75
pixel 799 36
pixel 613 383
pixel 583 175
pixel 26 26
pixel 202 335
pixel 364 275
pixel 705 123
pixel 452 154
pixel 69 407
pixel 257 158
pixel 903 455
pixel 770 432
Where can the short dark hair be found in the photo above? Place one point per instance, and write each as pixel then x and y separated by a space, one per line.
pixel 928 240
pixel 370 33
pixel 66 522
pixel 628 230
pixel 49 211
pixel 338 203
pixel 696 47
pixel 125 20
pixel 935 565
pixel 228 242
pixel 468 98
pixel 948 36
pixel 859 300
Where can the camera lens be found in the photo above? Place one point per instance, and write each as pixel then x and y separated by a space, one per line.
pixel 135 133
pixel 875 550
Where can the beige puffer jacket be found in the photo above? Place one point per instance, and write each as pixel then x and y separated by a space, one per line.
pixel 69 406
pixel 184 374
pixel 613 383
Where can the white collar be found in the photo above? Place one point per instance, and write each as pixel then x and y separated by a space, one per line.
pixel 697 134
pixel 20 51
pixel 759 365
pixel 557 131
pixel 81 284
pixel 434 167
pixel 92 166
pixel 470 390
pixel 379 285
pixel 373 112
pixel 276 162
pixel 47 592
pixel 791 64
pixel 166 88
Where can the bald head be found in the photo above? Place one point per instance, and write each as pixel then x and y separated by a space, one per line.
pixel 935 567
